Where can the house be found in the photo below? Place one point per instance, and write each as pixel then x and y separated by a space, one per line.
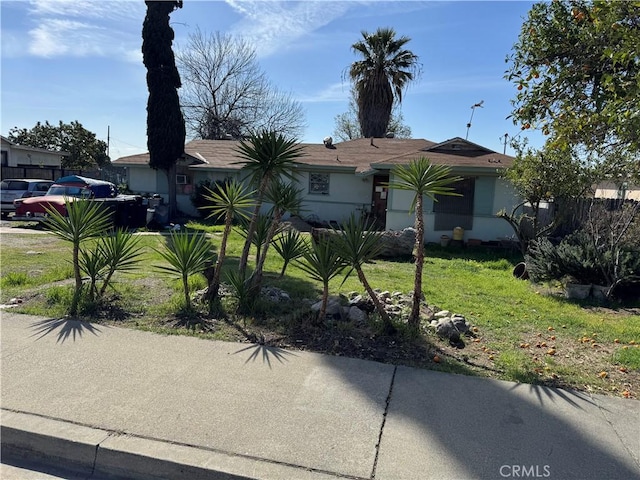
pixel 347 177
pixel 20 161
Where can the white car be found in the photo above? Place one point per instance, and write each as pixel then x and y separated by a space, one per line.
pixel 14 188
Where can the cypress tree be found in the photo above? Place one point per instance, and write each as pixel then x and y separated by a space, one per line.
pixel 165 123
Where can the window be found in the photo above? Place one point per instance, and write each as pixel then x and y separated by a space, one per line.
pixel 181 179
pixel 319 183
pixel 455 211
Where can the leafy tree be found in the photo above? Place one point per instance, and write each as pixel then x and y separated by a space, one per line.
pixel 380 77
pixel 231 200
pixel 285 197
pixel 187 254
pixel 347 125
pixel 358 243
pixel 551 174
pixel 84 220
pixel 577 70
pixel 227 95
pixel 85 150
pixel 266 156
pixel 165 124
pixel 322 262
pixel 422 178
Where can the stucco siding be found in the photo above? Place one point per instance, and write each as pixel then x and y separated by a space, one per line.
pixel 143 180
pixel 347 194
pixel 491 194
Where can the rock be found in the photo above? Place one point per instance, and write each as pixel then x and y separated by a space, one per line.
pixel 356 315
pixel 442 314
pixel 334 308
pixel 446 329
pixel 460 323
pixel 275 294
pixel 397 243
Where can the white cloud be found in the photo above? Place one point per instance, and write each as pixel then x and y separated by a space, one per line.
pixel 66 37
pixel 275 25
pixel 336 92
pixel 87 9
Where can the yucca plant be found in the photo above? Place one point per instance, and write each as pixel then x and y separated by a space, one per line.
pixel 265 157
pixel 322 262
pixel 118 251
pixel 229 201
pixel 422 178
pixel 285 197
pixel 289 245
pixel 121 251
pixel 260 233
pixel 358 243
pixel 84 220
pixel 242 291
pixel 187 254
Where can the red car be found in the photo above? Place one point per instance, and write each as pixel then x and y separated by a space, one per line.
pixel 66 188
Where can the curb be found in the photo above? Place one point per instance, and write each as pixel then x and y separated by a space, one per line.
pixel 96 453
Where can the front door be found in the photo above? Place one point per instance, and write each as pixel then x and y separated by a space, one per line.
pixel 379 201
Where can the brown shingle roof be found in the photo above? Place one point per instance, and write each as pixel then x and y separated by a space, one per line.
pixel 360 155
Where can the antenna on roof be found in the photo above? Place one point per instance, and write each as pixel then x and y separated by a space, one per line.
pixel 473 109
pixel 504 143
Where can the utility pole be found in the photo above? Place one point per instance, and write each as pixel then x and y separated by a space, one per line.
pixel 506 136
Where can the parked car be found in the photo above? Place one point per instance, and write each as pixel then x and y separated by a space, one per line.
pixel 127 210
pixel 16 188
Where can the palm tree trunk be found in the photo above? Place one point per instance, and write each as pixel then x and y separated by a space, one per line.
pixel 323 307
pixel 414 317
pixel 185 286
pixel 374 298
pixel 242 268
pixel 73 309
pixel 257 274
pixel 214 286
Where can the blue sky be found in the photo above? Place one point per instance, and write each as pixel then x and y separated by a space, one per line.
pixel 81 60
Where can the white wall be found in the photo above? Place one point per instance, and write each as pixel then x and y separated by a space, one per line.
pixel 347 194
pixel 486 226
pixel 143 179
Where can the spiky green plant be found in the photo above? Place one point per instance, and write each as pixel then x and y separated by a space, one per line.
pixel 322 262
pixel 358 243
pixel 285 197
pixel 265 156
pixel 229 201
pixel 260 233
pixel 289 245
pixel 84 220
pixel 187 254
pixel 422 178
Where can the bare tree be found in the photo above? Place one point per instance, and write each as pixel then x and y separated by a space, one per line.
pixel 227 95
pixel 348 126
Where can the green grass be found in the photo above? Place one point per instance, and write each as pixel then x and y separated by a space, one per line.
pixel 478 284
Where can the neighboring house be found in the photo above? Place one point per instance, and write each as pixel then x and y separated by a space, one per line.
pixel 347 177
pixel 622 191
pixel 19 161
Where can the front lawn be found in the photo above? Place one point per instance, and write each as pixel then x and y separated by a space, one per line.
pixel 521 331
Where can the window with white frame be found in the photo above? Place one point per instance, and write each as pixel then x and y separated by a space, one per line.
pixel 319 183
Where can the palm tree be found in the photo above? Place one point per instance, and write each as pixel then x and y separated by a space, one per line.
pixel 187 254
pixel 380 77
pixel 285 197
pixel 230 201
pixel 422 178
pixel 84 219
pixel 322 262
pixel 266 157
pixel 358 243
pixel 289 245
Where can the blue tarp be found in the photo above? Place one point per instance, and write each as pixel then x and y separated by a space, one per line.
pixel 100 188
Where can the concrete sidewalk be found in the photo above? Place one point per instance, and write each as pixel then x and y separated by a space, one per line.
pixel 105 401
